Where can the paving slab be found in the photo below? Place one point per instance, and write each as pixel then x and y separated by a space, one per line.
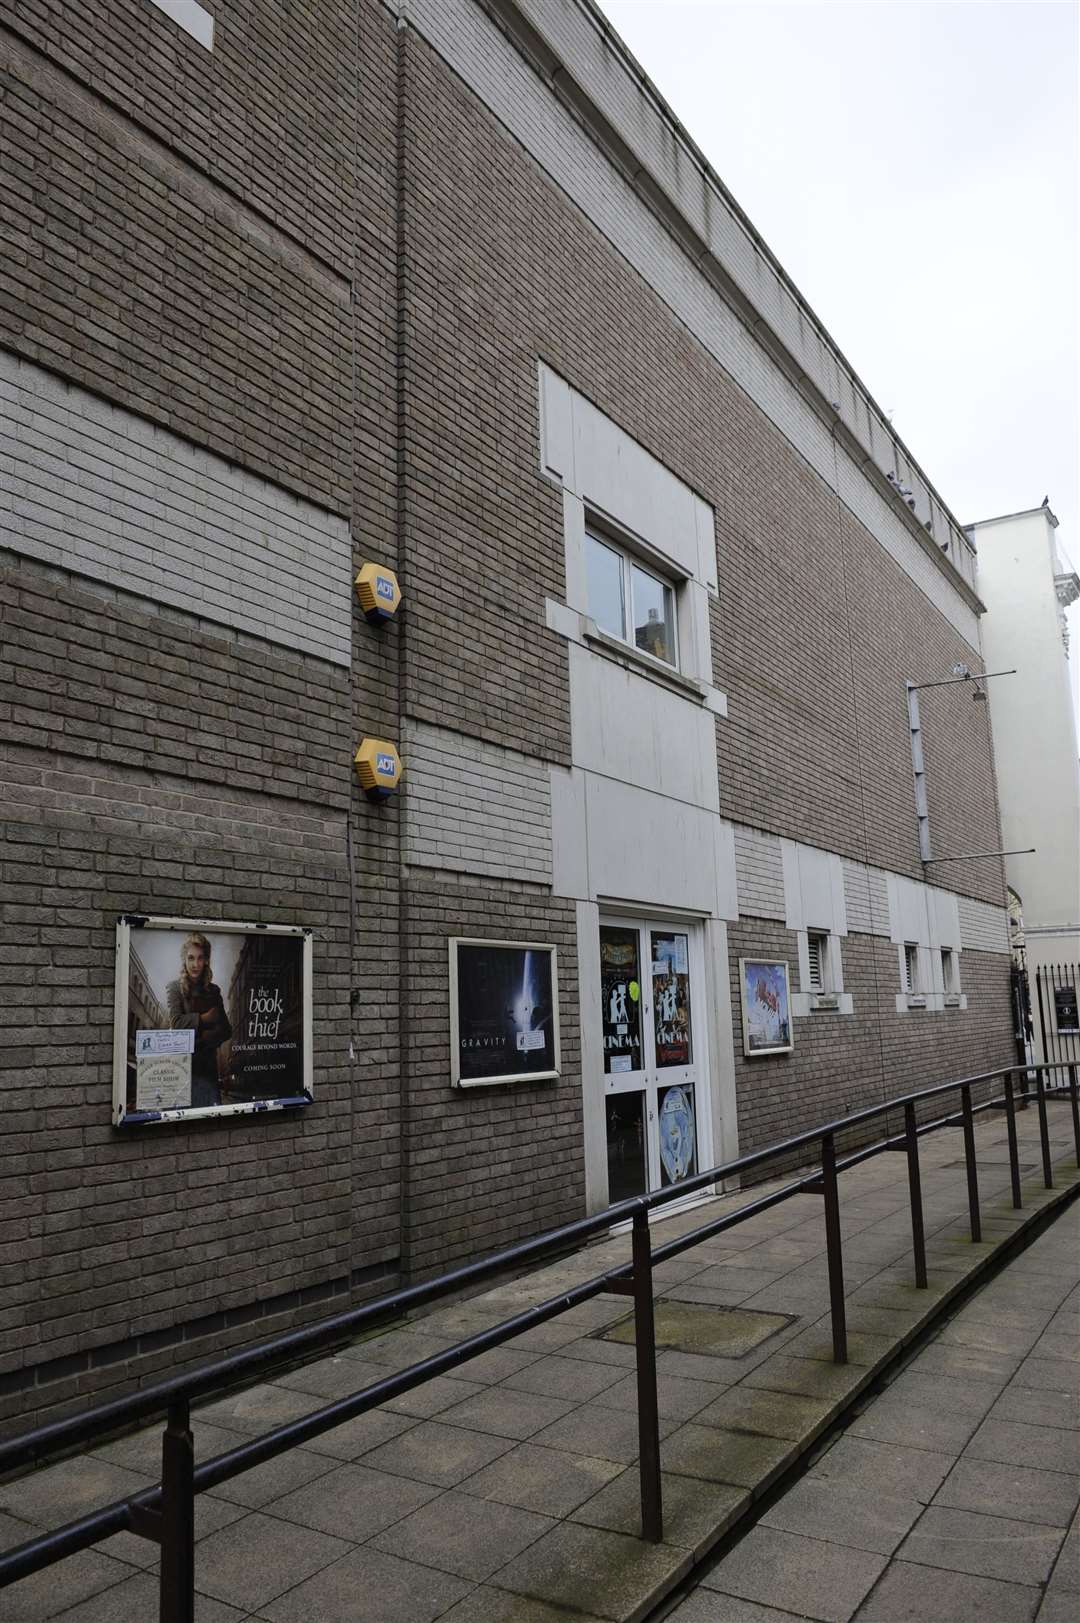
pixel 547 1480
pixel 454 1536
pixel 393 1591
pixel 806 1576
pixel 823 1509
pixel 696 1513
pixel 914 1594
pixel 988 1546
pixel 606 1573
pixel 1048 1497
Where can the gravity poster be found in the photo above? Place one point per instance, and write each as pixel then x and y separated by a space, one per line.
pixel 505 1024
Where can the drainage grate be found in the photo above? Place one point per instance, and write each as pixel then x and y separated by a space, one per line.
pixel 692 1327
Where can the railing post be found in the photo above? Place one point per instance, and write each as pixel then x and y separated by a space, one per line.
pixel 652 1505
pixel 1014 1153
pixel 918 1235
pixel 177 1602
pixel 972 1169
pixel 1044 1131
pixel 1075 1102
pixel 833 1246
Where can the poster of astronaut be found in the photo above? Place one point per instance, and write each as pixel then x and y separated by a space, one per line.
pixel 504 1012
pixel 766 1007
pixel 210 1017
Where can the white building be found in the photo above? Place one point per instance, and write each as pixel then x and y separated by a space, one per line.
pixel 1027 584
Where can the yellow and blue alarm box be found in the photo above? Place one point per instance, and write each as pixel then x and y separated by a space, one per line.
pixel 378 766
pixel 378 591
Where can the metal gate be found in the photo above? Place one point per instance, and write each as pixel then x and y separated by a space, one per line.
pixel 1056 989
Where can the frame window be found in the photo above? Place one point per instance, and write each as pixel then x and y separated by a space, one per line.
pixel 911 968
pixel 631 602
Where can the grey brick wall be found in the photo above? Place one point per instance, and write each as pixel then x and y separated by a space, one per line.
pixel 475 808
pixel 982 927
pixel 843 1063
pixel 760 873
pixel 107 494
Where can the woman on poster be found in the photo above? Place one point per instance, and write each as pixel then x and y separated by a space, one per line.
pixel 195 1004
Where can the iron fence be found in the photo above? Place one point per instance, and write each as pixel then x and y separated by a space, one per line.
pixel 166 1514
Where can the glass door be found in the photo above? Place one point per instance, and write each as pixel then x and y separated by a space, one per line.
pixel 655 1100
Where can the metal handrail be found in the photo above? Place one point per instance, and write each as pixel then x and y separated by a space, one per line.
pixel 165 1513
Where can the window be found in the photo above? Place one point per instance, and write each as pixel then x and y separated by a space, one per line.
pixel 817 948
pixel 630 602
pixel 911 967
pixel 948 970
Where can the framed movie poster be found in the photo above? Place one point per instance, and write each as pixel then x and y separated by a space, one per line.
pixel 210 1019
pixel 766 1007
pixel 504 1012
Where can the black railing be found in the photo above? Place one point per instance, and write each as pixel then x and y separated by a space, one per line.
pixel 166 1514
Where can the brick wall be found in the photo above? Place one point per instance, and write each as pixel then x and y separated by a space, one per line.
pixel 816 627
pixel 843 1063
pixel 104 492
pixel 476 808
pixel 489 1165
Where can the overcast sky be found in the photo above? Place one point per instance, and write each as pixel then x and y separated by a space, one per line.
pixel 914 168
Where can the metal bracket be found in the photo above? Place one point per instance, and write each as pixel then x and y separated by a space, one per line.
pixel 146 1523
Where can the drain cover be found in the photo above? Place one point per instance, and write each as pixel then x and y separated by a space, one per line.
pixel 691 1327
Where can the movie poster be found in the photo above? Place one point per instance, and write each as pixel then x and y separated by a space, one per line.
pixel 671 997
pixel 504 1012
pixel 620 999
pixel 210 1017
pixel 766 1007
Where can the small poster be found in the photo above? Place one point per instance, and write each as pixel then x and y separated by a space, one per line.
pixel 163 1081
pixel 766 1007
pixel 677 1135
pixel 671 999
pixel 620 999
pixel 504 1018
pixel 209 1017
pixel 1065 1011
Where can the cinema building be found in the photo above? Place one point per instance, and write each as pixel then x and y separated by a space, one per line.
pixel 444 289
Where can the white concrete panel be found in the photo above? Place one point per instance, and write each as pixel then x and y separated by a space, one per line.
pixel 631 729
pixel 570 865
pixel 706 529
pixel 815 874
pixel 592 1057
pixel 191 17
pixel 644 848
pixel 577 586
pixel 721 1042
pixel 556 436
pixel 617 476
pixel 944 918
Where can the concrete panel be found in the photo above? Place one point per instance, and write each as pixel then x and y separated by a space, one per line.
pixel 629 728
pixel 645 849
pixel 570 865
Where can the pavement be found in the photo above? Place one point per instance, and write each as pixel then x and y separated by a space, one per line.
pixel 508 1492
pixel 953 1496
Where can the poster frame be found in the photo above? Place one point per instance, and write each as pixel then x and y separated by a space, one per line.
pixel 124 1118
pixel 776 1048
pixel 515 1077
